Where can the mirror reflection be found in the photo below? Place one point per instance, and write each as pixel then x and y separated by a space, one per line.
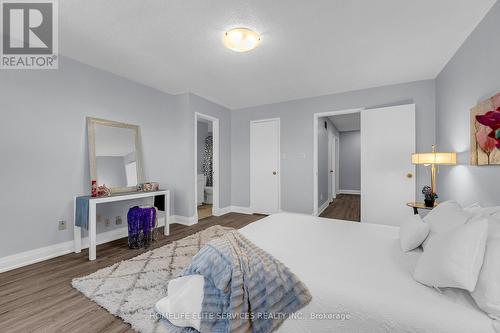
pixel 116 156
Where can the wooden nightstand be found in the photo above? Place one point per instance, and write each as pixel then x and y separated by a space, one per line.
pixel 419 205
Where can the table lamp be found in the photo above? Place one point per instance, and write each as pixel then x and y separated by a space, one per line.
pixel 434 158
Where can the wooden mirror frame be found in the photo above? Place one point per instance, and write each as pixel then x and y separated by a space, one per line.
pixel 91 123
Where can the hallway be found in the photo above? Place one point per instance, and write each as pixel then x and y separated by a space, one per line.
pixel 344 207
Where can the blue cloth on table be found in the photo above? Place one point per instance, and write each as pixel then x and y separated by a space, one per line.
pixel 82 212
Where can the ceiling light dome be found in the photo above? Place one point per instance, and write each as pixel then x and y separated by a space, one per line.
pixel 241 39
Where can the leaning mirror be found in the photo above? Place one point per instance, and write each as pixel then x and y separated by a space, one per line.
pixel 114 154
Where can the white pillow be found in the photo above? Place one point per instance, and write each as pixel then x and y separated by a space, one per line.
pixel 454 258
pixel 444 217
pixel 473 208
pixel 412 233
pixel 487 292
pixel 490 211
pixel 182 306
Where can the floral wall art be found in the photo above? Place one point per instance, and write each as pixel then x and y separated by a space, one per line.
pixel 485 132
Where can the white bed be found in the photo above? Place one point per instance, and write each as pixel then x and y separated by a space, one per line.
pixel 358 269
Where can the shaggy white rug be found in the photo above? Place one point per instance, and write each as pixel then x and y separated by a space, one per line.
pixel 130 289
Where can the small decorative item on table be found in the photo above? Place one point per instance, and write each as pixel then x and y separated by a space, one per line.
pixel 148 187
pixel 430 197
pixel 93 188
pixel 103 191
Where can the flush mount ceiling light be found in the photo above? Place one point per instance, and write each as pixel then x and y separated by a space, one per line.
pixel 241 39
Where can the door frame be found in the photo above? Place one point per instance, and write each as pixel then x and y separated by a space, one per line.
pixel 316 117
pixel 215 161
pixel 278 120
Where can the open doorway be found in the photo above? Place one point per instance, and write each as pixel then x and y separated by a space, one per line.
pixel 338 165
pixel 206 158
pixel 384 163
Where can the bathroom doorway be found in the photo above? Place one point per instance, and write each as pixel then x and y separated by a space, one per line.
pixel 207 162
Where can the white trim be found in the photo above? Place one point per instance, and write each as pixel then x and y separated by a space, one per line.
pixel 221 211
pixel 241 210
pixel 316 116
pixel 233 209
pixel 33 256
pixel 323 207
pixel 279 160
pixel 48 252
pixel 215 166
pixel 184 220
pixel 337 164
pixel 52 251
pixel 350 192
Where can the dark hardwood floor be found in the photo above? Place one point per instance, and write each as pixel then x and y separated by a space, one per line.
pixel 344 207
pixel 39 297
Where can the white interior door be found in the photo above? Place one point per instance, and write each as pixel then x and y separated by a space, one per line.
pixel 329 159
pixel 265 166
pixel 332 171
pixel 387 175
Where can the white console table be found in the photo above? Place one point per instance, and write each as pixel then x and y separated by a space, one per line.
pixel 92 216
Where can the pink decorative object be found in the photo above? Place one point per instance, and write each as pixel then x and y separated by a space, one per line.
pixel 485 132
pixel 485 142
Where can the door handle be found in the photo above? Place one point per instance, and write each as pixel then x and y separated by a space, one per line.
pixel 331 171
pixel 274 173
pixel 409 175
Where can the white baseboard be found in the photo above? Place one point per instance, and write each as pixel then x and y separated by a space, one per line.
pixel 33 256
pixel 323 207
pixel 349 192
pixel 184 220
pixel 48 252
pixel 221 211
pixel 232 209
pixel 241 210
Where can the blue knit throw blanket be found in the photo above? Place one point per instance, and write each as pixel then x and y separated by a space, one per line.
pixel 246 289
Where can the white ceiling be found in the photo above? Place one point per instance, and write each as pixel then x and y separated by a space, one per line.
pixel 347 122
pixel 308 48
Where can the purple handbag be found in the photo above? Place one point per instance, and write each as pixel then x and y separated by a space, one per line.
pixel 141 223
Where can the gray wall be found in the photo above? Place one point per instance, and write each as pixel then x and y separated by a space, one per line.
pixel 472 75
pixel 44 146
pixel 350 161
pixel 201 135
pixel 297 136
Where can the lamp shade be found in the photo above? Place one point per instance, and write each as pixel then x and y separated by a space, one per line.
pixel 434 158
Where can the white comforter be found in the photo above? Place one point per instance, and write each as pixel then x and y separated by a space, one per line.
pixel 358 270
